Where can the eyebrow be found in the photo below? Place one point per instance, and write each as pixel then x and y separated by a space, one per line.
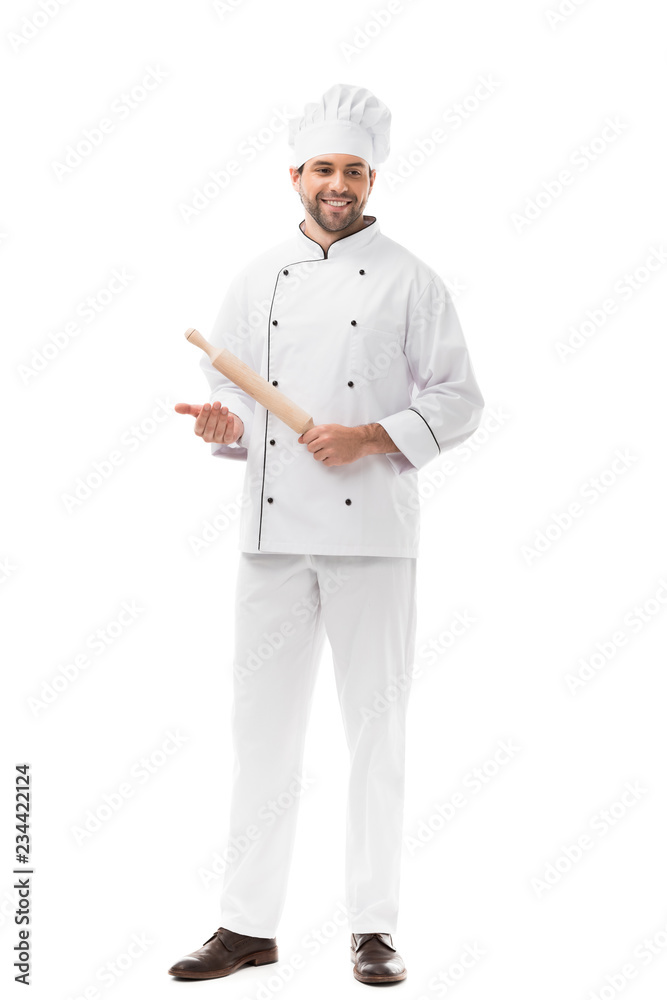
pixel 328 163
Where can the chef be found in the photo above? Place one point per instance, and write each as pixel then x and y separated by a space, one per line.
pixel 363 335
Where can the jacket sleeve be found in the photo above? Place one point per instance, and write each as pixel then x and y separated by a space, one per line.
pixel 447 406
pixel 231 330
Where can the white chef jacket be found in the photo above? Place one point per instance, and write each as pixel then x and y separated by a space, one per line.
pixel 364 333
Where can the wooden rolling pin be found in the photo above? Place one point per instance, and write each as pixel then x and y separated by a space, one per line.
pixel 257 387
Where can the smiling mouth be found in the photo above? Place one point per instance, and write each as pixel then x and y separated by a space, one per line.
pixel 336 202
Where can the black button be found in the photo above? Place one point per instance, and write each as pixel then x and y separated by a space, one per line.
pixel 348 502
pixel 285 271
pixel 269 499
pixel 275 322
pixel 272 441
pixel 354 322
pixel 274 382
pixel 360 272
pixel 350 383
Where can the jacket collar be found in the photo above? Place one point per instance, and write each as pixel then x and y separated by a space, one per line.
pixel 344 245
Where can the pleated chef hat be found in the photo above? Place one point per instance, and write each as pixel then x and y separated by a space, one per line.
pixel 348 119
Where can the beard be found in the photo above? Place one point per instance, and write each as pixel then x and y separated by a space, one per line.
pixel 332 222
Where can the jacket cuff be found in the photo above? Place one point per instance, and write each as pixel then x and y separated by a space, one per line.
pixel 414 439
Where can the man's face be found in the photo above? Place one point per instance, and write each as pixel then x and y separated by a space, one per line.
pixel 334 177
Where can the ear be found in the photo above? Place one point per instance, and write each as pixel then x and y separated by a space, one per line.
pixel 295 177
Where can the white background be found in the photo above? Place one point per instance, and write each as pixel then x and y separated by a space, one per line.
pixel 553 427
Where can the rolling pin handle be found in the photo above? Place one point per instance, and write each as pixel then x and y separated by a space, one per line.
pixel 195 337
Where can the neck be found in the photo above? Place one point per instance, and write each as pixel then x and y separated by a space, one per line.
pixel 325 238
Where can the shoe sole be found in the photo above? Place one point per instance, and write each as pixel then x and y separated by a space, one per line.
pixel 257 958
pixel 376 979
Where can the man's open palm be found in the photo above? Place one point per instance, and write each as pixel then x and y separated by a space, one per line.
pixel 213 423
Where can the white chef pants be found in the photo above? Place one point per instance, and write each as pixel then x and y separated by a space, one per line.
pixel 284 604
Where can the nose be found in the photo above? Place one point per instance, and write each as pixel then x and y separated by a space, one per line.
pixel 337 183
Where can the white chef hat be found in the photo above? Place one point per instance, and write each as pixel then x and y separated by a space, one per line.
pixel 348 119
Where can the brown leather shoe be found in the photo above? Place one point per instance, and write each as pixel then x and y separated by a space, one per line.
pixel 225 952
pixel 376 960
